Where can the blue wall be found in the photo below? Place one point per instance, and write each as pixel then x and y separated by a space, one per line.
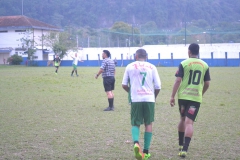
pixel 213 62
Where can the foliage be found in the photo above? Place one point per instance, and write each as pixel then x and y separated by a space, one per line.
pixel 102 14
pixel 28 44
pixel 15 59
pixel 96 23
pixel 60 42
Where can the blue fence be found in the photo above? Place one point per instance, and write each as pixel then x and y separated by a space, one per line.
pixel 212 62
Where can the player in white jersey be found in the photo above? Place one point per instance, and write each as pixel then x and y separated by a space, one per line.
pixel 75 63
pixel 144 87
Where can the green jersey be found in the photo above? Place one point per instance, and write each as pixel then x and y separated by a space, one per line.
pixel 56 61
pixel 194 72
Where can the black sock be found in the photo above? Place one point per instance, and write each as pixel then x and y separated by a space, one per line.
pixel 186 143
pixel 110 101
pixel 180 138
pixel 145 151
pixel 56 71
pixel 76 72
pixel 72 72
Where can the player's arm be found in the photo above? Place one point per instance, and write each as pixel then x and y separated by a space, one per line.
pixel 205 87
pixel 125 87
pixel 178 80
pixel 125 81
pixel 99 72
pixel 156 92
pixel 174 90
pixel 157 82
pixel 206 81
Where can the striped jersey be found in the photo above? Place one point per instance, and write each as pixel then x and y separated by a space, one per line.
pixel 108 67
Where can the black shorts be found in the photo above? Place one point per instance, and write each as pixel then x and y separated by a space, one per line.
pixel 108 83
pixel 189 109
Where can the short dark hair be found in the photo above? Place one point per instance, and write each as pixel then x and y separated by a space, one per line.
pixel 107 53
pixel 194 48
pixel 141 53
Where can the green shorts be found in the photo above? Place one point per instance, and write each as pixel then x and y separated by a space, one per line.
pixel 142 113
pixel 74 66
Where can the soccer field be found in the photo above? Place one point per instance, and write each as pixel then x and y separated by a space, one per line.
pixel 48 116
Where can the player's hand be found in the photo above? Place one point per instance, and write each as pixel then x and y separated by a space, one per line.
pixel 172 101
pixel 96 76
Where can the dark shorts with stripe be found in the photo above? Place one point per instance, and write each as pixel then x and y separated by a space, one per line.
pixel 188 109
pixel 108 83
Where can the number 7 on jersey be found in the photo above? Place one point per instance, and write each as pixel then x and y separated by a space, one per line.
pixel 144 76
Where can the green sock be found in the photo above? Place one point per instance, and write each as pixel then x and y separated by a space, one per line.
pixel 135 133
pixel 147 140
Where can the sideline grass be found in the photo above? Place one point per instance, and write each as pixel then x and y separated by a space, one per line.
pixel 44 116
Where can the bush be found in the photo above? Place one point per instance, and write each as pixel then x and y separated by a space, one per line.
pixel 15 59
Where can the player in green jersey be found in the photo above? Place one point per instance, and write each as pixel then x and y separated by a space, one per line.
pixel 192 81
pixel 57 62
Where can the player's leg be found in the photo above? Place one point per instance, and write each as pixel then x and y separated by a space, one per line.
pixel 148 114
pixel 76 72
pixel 112 85
pixel 181 125
pixel 56 69
pixel 108 90
pixel 72 70
pixel 75 68
pixel 191 114
pixel 136 121
pixel 181 131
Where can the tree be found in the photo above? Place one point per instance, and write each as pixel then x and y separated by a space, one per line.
pixel 59 42
pixel 149 30
pixel 28 44
pixel 123 32
pixel 15 59
pixel 120 31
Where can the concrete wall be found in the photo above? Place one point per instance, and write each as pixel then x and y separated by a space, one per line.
pixel 160 55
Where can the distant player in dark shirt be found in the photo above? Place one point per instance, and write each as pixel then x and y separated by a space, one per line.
pixel 56 61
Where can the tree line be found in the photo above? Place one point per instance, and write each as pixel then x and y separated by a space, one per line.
pixel 122 23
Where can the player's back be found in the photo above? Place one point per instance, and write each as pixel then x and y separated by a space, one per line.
pixel 142 78
pixel 193 79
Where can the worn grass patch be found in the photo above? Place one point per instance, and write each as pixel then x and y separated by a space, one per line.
pixel 48 116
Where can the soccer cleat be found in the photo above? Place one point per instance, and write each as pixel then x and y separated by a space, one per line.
pixel 182 154
pixel 56 73
pixel 71 75
pixel 137 152
pixel 109 109
pixel 180 148
pixel 77 75
pixel 146 156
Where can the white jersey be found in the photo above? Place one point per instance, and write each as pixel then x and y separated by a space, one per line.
pixel 75 60
pixel 144 79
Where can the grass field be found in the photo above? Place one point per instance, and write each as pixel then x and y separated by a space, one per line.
pixel 48 116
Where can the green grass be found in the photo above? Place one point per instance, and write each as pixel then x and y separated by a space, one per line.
pixel 48 116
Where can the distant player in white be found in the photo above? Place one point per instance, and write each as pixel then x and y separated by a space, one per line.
pixel 75 63
pixel 144 87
